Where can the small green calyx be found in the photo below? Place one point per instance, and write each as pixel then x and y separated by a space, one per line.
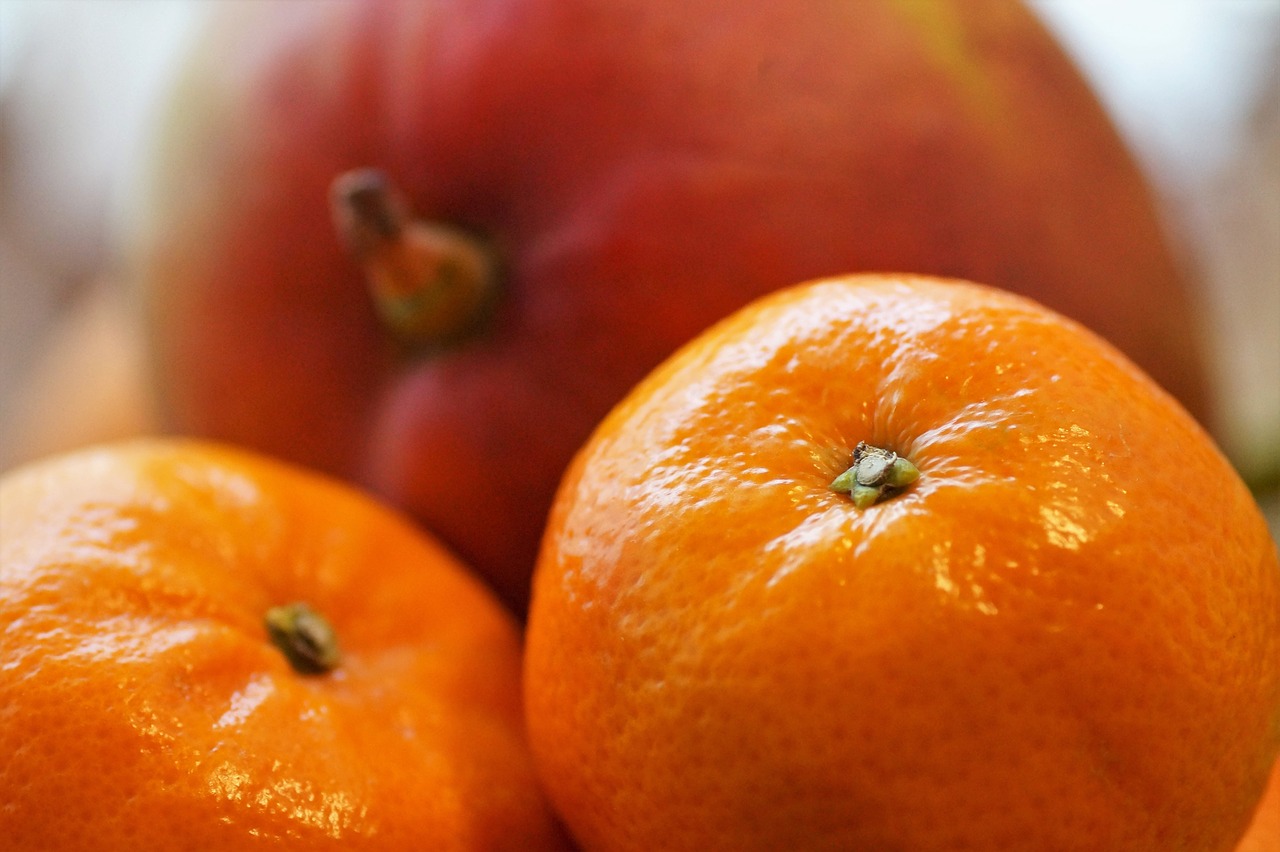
pixel 874 475
pixel 305 637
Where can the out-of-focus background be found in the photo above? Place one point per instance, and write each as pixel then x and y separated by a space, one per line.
pixel 1194 85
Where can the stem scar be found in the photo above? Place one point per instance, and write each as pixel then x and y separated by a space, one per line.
pixel 875 474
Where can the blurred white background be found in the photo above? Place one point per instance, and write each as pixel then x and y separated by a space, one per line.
pixel 1194 85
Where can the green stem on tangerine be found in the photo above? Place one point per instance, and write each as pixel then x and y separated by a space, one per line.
pixel 305 637
pixel 431 283
pixel 875 474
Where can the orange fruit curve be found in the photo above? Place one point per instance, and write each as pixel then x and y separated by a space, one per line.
pixel 1264 831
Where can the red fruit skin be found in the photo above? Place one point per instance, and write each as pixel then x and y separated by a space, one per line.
pixel 643 168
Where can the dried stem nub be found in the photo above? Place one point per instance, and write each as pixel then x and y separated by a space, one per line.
pixel 875 474
pixel 305 637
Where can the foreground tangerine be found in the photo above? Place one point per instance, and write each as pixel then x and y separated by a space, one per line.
pixel 1054 625
pixel 207 650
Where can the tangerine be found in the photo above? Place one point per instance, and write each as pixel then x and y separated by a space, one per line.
pixel 1050 619
pixel 204 649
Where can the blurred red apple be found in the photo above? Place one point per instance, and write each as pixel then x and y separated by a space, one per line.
pixel 620 175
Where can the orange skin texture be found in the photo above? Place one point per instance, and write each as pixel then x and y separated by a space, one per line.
pixel 1264 832
pixel 643 169
pixel 1064 635
pixel 145 708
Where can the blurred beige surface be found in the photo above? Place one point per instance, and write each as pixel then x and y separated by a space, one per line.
pixel 1193 85
pixel 78 79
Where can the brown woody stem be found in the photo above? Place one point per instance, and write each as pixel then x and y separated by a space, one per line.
pixel 431 283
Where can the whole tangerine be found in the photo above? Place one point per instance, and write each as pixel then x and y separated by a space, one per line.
pixel 892 563
pixel 204 649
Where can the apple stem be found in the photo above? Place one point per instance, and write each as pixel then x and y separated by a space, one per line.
pixel 305 637
pixel 875 474
pixel 431 283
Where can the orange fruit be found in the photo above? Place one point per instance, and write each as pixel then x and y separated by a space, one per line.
pixel 145 705
pixel 1264 832
pixel 1063 634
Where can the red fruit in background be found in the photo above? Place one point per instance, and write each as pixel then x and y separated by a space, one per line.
pixel 635 171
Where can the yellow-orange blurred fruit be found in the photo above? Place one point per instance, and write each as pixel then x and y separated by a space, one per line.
pixel 145 707
pixel 1064 634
